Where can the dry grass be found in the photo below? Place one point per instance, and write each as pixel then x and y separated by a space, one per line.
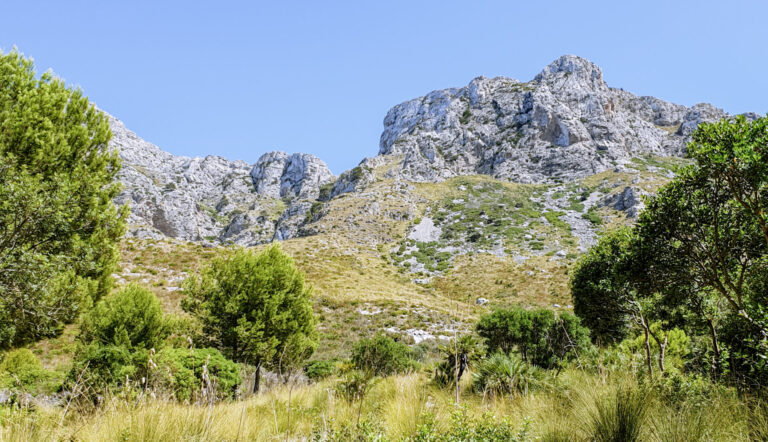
pixel 394 408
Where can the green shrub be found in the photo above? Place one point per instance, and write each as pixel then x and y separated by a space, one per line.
pixel 181 370
pixel 132 317
pixel 116 337
pixel 501 375
pixel 468 349
pixel 319 370
pixel 464 118
pixel 465 428
pixel 382 356
pixel 325 191
pixel 539 336
pixel 20 369
pixel 355 385
pixel 592 216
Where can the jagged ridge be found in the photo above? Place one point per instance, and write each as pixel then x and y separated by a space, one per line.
pixel 563 125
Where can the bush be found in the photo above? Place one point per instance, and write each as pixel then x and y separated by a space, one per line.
pixel 501 375
pixel 116 337
pixel 132 317
pixel 355 385
pixel 382 356
pixel 538 336
pixel 465 353
pixel 181 370
pixel 319 370
pixel 20 369
pixel 464 427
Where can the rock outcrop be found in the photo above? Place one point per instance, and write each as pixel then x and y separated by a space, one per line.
pixel 211 198
pixel 564 124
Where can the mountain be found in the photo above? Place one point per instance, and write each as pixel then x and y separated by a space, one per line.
pixel 564 125
pixel 479 196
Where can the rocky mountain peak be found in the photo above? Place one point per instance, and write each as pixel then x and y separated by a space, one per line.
pixel 564 124
pixel 280 175
pixel 576 68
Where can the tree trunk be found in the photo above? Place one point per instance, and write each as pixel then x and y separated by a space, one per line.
pixel 715 346
pixel 257 377
pixel 647 332
pixel 662 352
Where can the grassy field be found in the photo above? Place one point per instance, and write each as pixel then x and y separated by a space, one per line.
pixel 577 405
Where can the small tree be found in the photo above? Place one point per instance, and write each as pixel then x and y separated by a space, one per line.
pixel 255 308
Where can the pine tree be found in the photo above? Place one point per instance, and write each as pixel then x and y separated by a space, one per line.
pixel 58 225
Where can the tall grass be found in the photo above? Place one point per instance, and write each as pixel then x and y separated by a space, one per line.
pixel 619 416
pixel 577 406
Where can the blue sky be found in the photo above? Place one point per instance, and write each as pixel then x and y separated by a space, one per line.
pixel 238 79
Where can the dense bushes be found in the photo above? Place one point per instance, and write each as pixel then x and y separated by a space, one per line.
pixel 122 339
pixel 319 370
pixel 20 369
pixel 193 373
pixel 116 337
pixel 382 356
pixel 538 336
pixel 696 260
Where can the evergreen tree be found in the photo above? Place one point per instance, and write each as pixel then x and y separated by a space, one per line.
pixel 255 308
pixel 58 225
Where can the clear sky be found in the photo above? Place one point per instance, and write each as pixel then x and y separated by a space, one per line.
pixel 238 79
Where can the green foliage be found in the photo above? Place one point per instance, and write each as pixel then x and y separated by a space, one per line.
pixel 464 118
pixel 132 317
pixel 190 372
pixel 116 336
pixel 592 216
pixel 501 375
pixel 325 191
pixel 58 225
pixel 601 289
pixel 20 369
pixel 703 243
pixel 319 370
pixel 255 308
pixel 382 356
pixel 468 348
pixel 355 384
pixel 554 219
pixel 465 428
pixel 541 338
pixel 356 173
pixel 314 212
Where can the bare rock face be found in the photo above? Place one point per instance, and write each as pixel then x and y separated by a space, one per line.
pixel 212 198
pixel 564 124
pixel 279 175
pixel 629 201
